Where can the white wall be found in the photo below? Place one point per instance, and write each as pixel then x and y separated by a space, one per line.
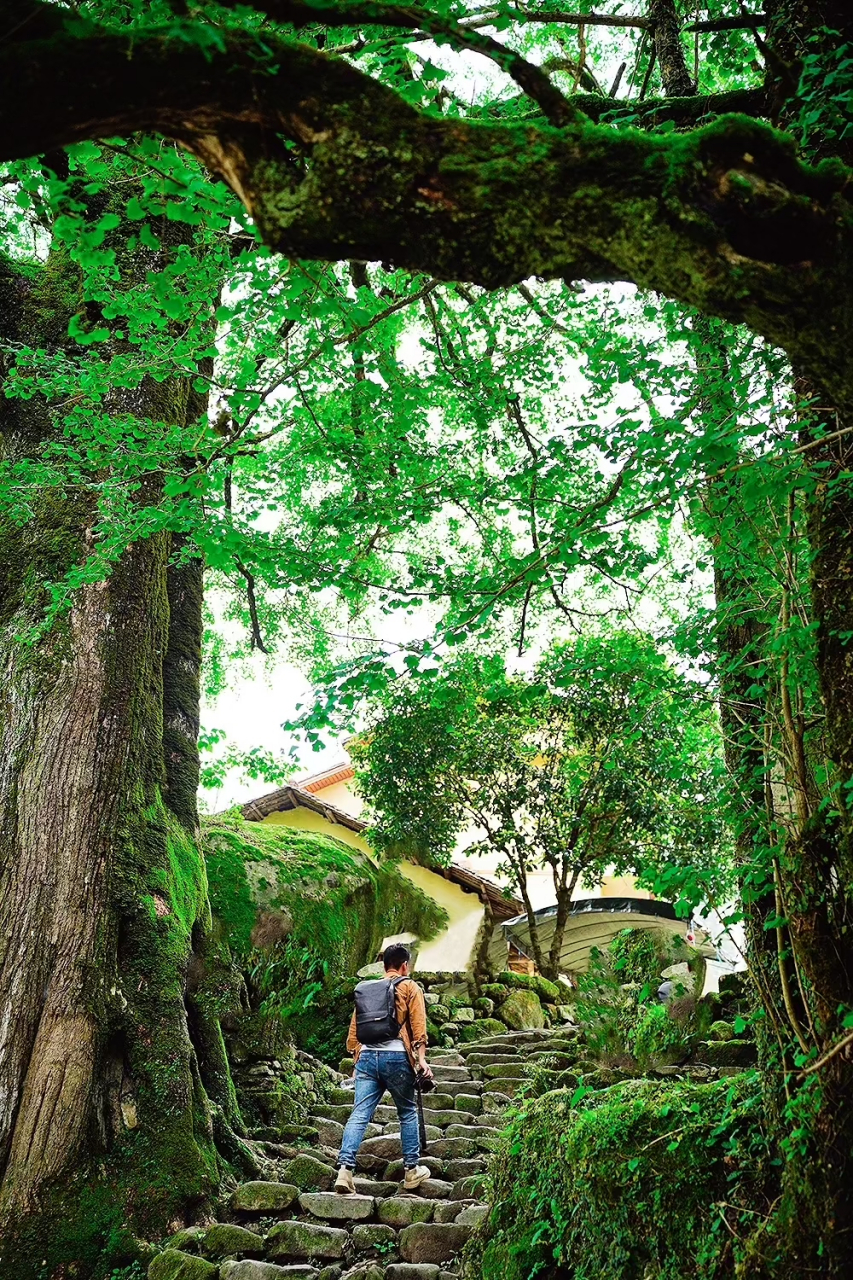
pixel 453 949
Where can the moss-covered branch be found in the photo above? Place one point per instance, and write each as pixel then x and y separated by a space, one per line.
pixel 332 165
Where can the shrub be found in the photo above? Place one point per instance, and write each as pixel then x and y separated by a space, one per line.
pixel 644 1178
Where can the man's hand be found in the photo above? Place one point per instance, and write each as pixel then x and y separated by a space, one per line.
pixel 423 1067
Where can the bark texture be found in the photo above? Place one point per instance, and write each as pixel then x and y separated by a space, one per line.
pixel 724 218
pixel 102 885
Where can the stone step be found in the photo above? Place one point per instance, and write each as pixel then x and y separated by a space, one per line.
pixel 489 1060
pixel 455 1087
pixel 506 1071
pixel 263 1197
pixel 433 1242
pixel 450 1074
pixel 403 1210
pixel 336 1208
pixel 432 1131
pixel 380 1190
pixel 508 1087
pixel 266 1271
pixel 474 1131
pixel 301 1240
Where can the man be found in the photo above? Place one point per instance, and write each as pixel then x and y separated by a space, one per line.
pixel 389 1064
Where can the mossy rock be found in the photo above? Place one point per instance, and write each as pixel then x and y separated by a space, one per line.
pixel 557 993
pixel 308 1173
pixel 219 1240
pixel 495 991
pixel 263 1197
pixel 172 1264
pixel 485 1006
pixel 521 1011
pixel 719 1030
pixel 730 1053
pixel 481 1029
pixel 439 1013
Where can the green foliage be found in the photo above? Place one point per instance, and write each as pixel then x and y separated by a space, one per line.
pixel 639 1178
pixel 616 1007
pixel 602 760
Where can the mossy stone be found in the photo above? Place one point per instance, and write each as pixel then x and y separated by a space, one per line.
pixel 485 1006
pixel 305 1240
pixel 721 1031
pixel 481 1028
pixel 556 993
pixel 495 991
pixel 307 1173
pixel 731 1053
pixel 225 1240
pixel 172 1264
pixel 521 1011
pixel 373 1235
pixel 263 1197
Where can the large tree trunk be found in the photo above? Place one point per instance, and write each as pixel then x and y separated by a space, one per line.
pixel 105 1126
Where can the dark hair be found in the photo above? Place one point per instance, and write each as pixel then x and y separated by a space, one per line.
pixel 395 956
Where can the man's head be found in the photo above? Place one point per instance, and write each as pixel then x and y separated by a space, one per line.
pixel 396 957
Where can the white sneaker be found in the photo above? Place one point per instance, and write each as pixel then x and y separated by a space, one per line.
pixel 414 1177
pixel 344 1184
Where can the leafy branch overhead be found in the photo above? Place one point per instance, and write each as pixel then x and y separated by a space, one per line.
pixel 331 163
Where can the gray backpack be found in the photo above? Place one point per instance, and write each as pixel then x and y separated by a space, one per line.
pixel 376 1010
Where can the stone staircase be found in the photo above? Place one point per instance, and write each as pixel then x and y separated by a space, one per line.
pixel 297 1228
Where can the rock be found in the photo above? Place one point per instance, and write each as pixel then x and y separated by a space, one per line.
pixel 484 1006
pixel 448 1210
pixel 435 1189
pixel 432 1241
pixel 265 1271
pixel 305 1240
pixel 555 992
pixel 172 1264
pixel 339 1111
pixel 464 1015
pixel 495 1103
pixel 439 1013
pixel 373 1235
pixel 453 1148
pixel 472 1103
pixel 330 1132
pixel 482 1027
pixel 455 1115
pixel 368 1187
pixel 473 1215
pixel 505 1071
pixel 432 1131
pixel 385 1148
pixel 223 1239
pixel 327 1204
pixel 467 1188
pixel 449 1074
pixel 263 1197
pixel 364 1271
pixel 309 1174
pixel 522 1011
pixel 430 997
pixel 413 1271
pixel 731 1053
pixel 402 1211
pixel 566 1013
pixel 723 1031
pixel 456 1169
pixel 495 991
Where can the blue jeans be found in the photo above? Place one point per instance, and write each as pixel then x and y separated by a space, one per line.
pixel 375 1072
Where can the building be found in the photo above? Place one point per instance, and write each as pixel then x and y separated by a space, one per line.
pixel 476 906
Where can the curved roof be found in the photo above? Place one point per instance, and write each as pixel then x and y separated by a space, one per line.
pixel 595 922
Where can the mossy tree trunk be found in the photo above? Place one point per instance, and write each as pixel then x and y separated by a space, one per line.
pixel 106 1128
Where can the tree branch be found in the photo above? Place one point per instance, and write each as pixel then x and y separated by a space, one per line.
pixel 333 165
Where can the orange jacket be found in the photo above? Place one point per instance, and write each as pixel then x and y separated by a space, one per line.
pixel 410 1008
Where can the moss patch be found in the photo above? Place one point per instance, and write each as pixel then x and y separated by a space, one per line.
pixel 624 1182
